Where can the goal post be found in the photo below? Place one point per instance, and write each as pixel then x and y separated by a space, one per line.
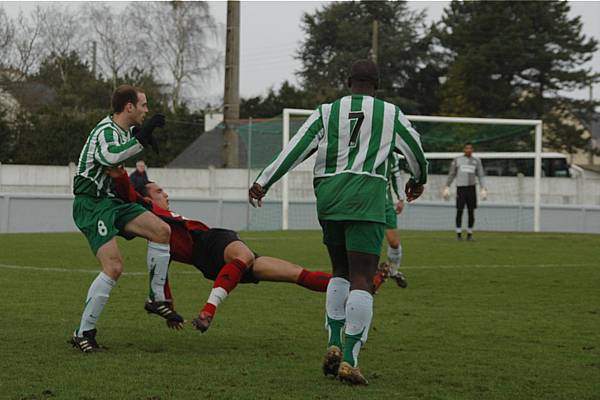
pixel 535 123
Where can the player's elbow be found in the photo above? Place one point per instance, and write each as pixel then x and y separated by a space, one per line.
pixel 108 160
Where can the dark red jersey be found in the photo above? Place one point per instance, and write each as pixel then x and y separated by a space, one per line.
pixel 182 229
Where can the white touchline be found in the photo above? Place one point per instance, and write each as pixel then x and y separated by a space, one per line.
pixel 464 266
pixel 83 271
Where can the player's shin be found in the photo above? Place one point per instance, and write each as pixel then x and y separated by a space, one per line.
pixel 335 302
pixel 314 280
pixel 359 312
pixel 395 258
pixel 97 297
pixel 228 278
pixel 158 266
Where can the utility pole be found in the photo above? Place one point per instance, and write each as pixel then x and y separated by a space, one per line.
pixel 592 146
pixel 375 41
pixel 231 112
pixel 94 50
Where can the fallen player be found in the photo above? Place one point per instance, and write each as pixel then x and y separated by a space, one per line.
pixel 219 254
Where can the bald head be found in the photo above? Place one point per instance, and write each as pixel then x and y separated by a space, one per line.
pixel 364 77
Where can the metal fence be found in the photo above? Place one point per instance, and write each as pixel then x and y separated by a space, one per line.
pixel 53 213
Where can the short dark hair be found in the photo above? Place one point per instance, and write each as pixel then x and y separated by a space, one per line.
pixel 122 95
pixel 364 71
pixel 140 187
pixel 468 144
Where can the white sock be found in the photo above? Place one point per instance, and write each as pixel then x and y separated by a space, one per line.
pixel 216 296
pixel 359 313
pixel 395 257
pixel 97 297
pixel 335 299
pixel 458 230
pixel 470 231
pixel 335 310
pixel 158 266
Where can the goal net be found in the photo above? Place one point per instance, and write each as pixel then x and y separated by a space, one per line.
pixel 510 149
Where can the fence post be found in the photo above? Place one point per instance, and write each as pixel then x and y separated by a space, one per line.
pixel 211 180
pixel 520 187
pixel 580 196
pixel 249 162
pixel 220 213
pixel 5 213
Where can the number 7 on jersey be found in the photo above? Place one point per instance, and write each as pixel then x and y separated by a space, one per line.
pixel 358 116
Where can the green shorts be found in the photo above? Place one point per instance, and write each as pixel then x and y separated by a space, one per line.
pixel 101 219
pixel 391 218
pixel 359 236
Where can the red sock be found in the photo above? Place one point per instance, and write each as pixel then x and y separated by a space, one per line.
pixel 314 280
pixel 228 278
pixel 209 308
pixel 230 275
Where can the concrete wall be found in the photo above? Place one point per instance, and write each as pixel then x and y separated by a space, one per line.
pixel 38 199
pixel 52 213
pixel 232 184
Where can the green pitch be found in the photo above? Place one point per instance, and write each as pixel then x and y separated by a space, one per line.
pixel 508 316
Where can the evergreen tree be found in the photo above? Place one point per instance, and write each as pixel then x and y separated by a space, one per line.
pixel 340 33
pixel 517 59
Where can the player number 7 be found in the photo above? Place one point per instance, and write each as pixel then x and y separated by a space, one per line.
pixel 359 116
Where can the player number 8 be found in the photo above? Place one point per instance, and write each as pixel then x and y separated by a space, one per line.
pixel 102 230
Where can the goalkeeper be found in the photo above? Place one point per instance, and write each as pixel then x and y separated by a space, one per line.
pixel 465 168
pixel 354 138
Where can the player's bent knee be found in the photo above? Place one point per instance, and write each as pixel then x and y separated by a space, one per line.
pixel 247 256
pixel 163 232
pixel 113 267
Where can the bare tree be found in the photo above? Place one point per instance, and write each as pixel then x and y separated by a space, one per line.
pixel 61 33
pixel 28 46
pixel 61 30
pixel 178 36
pixel 7 37
pixel 111 34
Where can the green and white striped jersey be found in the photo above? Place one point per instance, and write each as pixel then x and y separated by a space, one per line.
pixel 395 178
pixel 108 145
pixel 353 137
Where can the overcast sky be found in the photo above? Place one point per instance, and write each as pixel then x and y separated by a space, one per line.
pixel 271 33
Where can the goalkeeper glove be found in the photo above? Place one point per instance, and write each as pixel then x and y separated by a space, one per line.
pixel 446 193
pixel 483 193
pixel 144 134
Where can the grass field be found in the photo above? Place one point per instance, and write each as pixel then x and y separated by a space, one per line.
pixel 508 316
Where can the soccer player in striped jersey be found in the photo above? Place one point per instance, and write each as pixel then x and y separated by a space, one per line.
pixel 353 137
pixel 101 216
pixel 392 235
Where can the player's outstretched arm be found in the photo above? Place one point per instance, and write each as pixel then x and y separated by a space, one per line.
pixel 452 173
pixel 302 146
pixel 480 173
pixel 112 154
pixel 145 135
pixel 408 142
